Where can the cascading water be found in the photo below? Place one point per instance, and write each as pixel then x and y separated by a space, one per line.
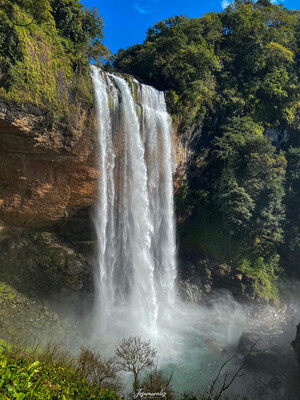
pixel 134 217
pixel 136 254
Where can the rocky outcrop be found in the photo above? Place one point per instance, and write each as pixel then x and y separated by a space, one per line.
pixel 24 320
pixel 269 362
pixel 47 168
pixel 296 345
pixel 252 342
pixel 48 181
pixel 42 267
pixel 278 136
pixel 183 154
pixel 200 277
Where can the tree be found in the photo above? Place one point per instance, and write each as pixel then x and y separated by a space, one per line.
pixel 156 382
pixel 39 10
pixel 99 370
pixel 82 26
pixel 134 355
pixel 291 247
pixel 249 188
pixel 224 380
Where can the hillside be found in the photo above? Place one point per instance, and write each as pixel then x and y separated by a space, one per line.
pixel 232 81
pixel 84 266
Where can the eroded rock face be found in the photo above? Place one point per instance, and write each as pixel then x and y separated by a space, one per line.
pixel 199 277
pixel 296 345
pixel 47 171
pixel 42 266
pixel 252 342
pixel 23 319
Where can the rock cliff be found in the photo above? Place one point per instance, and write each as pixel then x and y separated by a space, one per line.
pixel 47 171
pixel 48 184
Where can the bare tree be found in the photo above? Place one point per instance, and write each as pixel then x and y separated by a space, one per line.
pixel 156 382
pixel 226 380
pixel 134 355
pixel 97 369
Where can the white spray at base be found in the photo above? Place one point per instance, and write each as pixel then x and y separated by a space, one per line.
pixel 135 281
pixel 134 221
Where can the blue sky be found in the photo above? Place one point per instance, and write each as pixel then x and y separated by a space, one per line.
pixel 126 21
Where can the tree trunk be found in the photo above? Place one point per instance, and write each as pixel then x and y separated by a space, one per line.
pixel 136 384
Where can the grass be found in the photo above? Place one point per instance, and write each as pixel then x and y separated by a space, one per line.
pixel 51 373
pixel 6 292
pixel 44 374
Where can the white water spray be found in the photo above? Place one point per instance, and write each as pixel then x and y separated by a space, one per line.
pixel 134 218
pixel 136 254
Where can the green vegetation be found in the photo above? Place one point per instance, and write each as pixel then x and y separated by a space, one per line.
pixel 242 61
pixel 50 372
pixel 229 77
pixel 22 317
pixel 45 49
pixel 46 374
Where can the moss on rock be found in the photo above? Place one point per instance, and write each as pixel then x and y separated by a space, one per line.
pixel 41 266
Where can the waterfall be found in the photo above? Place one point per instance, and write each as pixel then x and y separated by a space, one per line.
pixel 136 255
pixel 134 219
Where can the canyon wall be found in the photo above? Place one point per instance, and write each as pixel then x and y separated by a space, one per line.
pixel 47 173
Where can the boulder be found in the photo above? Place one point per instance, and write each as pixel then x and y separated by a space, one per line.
pixel 190 292
pixel 254 342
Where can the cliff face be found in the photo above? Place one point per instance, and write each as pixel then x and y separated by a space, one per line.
pixel 48 183
pixel 47 171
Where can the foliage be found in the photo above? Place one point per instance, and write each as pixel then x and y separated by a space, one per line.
pixel 291 246
pixel 39 11
pixel 45 50
pixel 230 76
pixel 83 28
pixel 249 188
pixel 49 374
pixel 176 56
pixel 100 370
pixel 248 50
pixel 240 217
pixel 156 382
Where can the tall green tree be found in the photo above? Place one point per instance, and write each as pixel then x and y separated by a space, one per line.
pixel 249 187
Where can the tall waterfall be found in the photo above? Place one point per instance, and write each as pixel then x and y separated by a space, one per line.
pixel 136 271
pixel 136 252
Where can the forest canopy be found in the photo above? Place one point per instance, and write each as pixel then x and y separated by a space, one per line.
pixel 232 82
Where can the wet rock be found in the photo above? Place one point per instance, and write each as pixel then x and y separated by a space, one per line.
pixel 270 387
pixel 41 266
pixel 190 292
pixel 214 345
pixel 265 361
pixel 29 319
pixel 253 342
pixel 209 275
pixel 194 281
pixel 296 345
pixel 279 136
pixel 238 277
